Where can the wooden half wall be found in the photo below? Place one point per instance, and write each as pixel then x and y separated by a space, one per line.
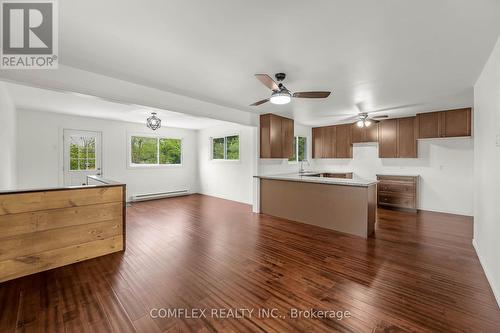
pixel 41 230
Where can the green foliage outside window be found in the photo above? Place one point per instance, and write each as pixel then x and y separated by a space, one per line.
pixel 218 149
pixel 82 153
pixel 300 144
pixel 146 150
pixel 233 147
pixel 302 147
pixel 226 148
pixel 170 151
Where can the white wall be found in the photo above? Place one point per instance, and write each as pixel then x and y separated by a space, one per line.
pixel 445 167
pixel 227 179
pixel 40 153
pixel 8 142
pixel 486 167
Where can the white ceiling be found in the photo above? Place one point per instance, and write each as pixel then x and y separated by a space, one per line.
pixel 30 98
pixel 384 53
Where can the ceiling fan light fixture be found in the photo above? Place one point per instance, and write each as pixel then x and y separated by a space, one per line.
pixel 280 97
pixel 360 123
pixel 368 122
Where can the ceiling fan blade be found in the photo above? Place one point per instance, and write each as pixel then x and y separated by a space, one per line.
pixel 378 117
pixel 267 81
pixel 260 102
pixel 312 94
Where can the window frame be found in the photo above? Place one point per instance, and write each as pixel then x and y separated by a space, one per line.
pixel 224 160
pixel 157 165
pixel 296 145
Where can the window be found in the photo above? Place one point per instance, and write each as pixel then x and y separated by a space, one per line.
pixel 155 151
pixel 300 146
pixel 82 153
pixel 226 148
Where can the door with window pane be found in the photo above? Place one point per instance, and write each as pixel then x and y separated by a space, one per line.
pixel 82 156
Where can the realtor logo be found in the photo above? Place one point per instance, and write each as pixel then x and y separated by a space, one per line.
pixel 29 34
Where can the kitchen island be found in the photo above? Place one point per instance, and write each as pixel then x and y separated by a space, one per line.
pixel 344 205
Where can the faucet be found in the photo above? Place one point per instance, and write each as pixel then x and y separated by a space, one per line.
pixel 301 167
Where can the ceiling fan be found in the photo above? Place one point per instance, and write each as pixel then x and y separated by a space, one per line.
pixel 280 94
pixel 364 118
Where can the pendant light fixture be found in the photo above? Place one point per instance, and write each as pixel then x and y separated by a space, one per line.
pixel 153 122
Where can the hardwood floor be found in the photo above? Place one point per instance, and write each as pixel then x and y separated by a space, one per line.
pixel 418 273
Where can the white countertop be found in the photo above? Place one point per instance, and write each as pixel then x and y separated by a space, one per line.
pixel 296 177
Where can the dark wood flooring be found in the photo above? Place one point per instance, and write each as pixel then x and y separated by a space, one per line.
pixel 419 273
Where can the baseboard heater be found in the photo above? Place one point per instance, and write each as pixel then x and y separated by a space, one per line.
pixel 161 195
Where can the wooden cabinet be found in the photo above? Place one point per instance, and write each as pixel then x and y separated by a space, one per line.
pixel 276 136
pixel 364 134
pixel 397 191
pixel 332 141
pixel 428 125
pixel 456 123
pixel 317 142
pixel 387 138
pixel 445 124
pixel 407 137
pixel 343 142
pixel 398 138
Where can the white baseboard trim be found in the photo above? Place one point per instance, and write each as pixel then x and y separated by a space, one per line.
pixel 496 293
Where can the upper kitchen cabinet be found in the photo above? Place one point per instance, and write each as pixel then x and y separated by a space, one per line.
pixel 388 138
pixel 364 134
pixel 398 138
pixel 343 141
pixel 324 142
pixel 445 124
pixel 407 137
pixel 332 141
pixel 276 136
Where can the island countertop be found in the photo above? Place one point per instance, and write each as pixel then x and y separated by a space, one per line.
pixel 308 178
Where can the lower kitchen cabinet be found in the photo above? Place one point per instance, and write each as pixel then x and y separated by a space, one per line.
pixel 398 191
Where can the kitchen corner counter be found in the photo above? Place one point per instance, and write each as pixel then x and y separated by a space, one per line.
pixel 308 178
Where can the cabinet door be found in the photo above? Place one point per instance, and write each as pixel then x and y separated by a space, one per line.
pixel 276 137
pixel 456 123
pixel 343 145
pixel 428 125
pixel 265 139
pixel 328 139
pixel 358 134
pixel 287 139
pixel 407 139
pixel 371 133
pixel 387 138
pixel 317 143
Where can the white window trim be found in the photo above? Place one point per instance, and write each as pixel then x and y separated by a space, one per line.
pixel 295 138
pixel 224 160
pixel 131 165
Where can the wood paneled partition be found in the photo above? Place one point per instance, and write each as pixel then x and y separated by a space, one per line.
pixel 41 230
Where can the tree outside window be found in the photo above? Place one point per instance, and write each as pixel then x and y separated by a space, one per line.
pixel 299 149
pixel 155 151
pixel 226 148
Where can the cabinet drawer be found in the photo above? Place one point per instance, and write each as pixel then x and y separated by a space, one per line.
pixel 397 187
pixel 397 201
